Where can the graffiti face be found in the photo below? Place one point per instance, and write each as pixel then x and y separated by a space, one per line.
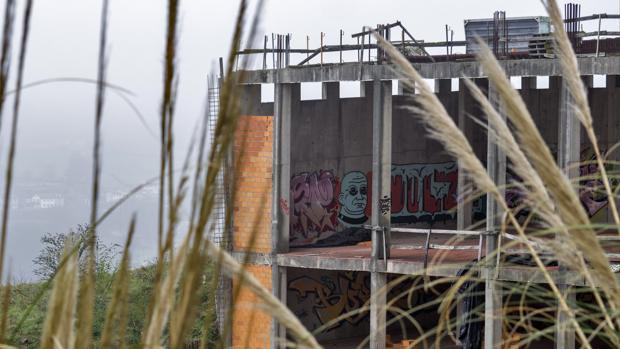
pixel 353 199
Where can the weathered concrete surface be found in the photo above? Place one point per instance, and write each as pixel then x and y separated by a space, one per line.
pixel 412 267
pixel 441 70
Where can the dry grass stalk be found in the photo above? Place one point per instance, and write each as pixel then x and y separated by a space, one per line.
pixel 15 120
pixel 6 302
pixel 58 329
pixel 87 292
pixel 161 307
pixel 116 317
pixel 5 54
pixel 572 78
pixel 578 233
pixel 441 127
pixel 537 196
pixel 278 310
pixel 166 119
pixel 4 61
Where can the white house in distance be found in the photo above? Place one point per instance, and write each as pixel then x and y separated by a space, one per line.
pixel 46 201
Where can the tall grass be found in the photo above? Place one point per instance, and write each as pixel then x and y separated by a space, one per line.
pixel 174 309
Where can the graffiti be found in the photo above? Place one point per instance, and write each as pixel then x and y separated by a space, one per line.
pixel 320 301
pixel 353 199
pixel 284 206
pixel 424 192
pixel 328 211
pixel 332 211
pixel 591 188
pixel 314 210
pixel 384 205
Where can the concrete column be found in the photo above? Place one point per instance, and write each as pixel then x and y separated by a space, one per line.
pixel 496 168
pixel 366 89
pixel 286 104
pixel 381 167
pixel 464 209
pixel 613 124
pixel 330 90
pixel 569 146
pixel 443 86
pixel 381 208
pixel 249 99
pixel 378 310
pixel 404 90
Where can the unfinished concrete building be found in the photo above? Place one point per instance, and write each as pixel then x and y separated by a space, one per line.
pixel 337 196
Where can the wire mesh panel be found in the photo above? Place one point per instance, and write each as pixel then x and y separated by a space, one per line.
pixel 218 214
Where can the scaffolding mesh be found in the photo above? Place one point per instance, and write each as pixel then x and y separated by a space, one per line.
pixel 218 214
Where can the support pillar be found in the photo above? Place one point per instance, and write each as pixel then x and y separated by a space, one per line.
pixel 496 168
pixel 381 208
pixel 443 86
pixel 569 146
pixel 404 90
pixel 612 122
pixel 286 103
pixel 464 208
pixel 366 88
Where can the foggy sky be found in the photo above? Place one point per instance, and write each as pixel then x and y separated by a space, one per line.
pixel 56 127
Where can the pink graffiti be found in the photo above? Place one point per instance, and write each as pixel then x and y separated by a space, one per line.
pixel 313 204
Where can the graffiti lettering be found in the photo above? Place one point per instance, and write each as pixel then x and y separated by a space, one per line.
pixel 424 192
pixel 324 206
pixel 314 207
pixel 332 297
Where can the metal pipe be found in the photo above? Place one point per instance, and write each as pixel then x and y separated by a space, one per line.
pixel 598 36
pixel 322 34
pixel 440 232
pixel 341 34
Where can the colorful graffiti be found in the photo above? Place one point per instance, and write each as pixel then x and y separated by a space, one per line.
pixel 591 189
pixel 320 297
pixel 314 213
pixel 318 301
pixel 327 211
pixel 424 193
pixel 331 211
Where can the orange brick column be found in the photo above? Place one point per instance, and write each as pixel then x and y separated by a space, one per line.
pixel 253 158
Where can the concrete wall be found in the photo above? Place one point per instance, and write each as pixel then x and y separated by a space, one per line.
pixel 331 152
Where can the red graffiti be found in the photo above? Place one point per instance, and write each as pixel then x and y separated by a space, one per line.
pixel 284 206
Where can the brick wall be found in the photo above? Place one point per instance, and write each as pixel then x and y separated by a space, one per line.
pixel 252 215
pixel 252 205
pixel 251 326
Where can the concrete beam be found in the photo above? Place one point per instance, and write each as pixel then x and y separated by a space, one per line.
pixel 496 168
pixel 440 70
pixel 402 267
